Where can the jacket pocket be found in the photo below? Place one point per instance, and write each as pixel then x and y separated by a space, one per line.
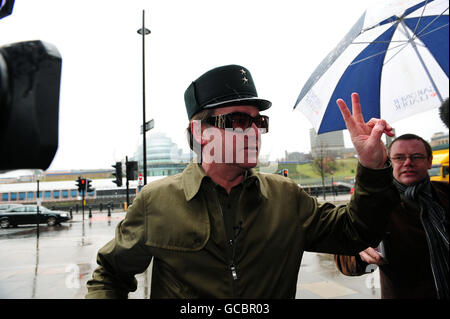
pixel 179 228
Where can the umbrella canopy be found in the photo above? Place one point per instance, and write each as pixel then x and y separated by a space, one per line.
pixel 395 56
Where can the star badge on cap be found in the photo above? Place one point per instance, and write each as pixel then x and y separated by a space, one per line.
pixel 244 73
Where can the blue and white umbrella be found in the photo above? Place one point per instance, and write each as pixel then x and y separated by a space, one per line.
pixel 396 57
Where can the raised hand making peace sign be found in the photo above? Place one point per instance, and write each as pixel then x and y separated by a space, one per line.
pixel 366 137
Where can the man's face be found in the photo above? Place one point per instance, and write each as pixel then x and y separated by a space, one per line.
pixel 410 172
pixel 233 146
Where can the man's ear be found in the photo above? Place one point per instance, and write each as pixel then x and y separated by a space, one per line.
pixel 430 162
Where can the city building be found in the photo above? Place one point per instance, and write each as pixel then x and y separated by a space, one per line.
pixel 439 141
pixel 164 158
pixel 297 157
pixel 327 144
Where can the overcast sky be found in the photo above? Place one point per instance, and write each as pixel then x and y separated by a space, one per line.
pixel 280 42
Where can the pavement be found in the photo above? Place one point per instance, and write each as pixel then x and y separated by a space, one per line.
pixel 58 264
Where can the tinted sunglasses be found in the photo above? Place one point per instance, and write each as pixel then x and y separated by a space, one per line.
pixel 239 120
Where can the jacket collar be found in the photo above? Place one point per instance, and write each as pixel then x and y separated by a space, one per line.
pixel 193 176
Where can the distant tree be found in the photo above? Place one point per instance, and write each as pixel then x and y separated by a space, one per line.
pixel 324 164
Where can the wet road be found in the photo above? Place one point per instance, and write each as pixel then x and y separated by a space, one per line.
pixel 58 264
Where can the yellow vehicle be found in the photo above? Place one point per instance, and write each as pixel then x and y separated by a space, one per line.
pixel 439 170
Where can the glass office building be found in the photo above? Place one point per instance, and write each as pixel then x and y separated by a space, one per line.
pixel 164 158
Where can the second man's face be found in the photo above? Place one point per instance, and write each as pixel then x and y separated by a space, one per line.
pixel 410 170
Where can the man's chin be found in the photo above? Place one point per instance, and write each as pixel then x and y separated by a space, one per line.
pixel 246 164
pixel 249 165
pixel 409 180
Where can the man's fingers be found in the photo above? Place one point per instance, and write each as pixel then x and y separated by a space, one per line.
pixel 356 108
pixel 377 131
pixel 374 121
pixel 369 257
pixel 388 130
pixel 344 109
pixel 365 257
pixel 371 252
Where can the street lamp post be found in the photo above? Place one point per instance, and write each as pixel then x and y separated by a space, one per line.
pixel 143 31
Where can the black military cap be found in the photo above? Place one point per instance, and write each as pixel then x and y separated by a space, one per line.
pixel 223 86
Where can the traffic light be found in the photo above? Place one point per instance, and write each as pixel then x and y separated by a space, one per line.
pixel 81 184
pixel 132 170
pixel 118 173
pixel 284 172
pixel 89 188
pixel 78 183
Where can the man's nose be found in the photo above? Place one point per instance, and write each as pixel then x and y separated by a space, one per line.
pixel 408 161
pixel 258 131
pixel 253 134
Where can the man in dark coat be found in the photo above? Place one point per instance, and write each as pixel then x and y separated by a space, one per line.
pixel 222 230
pixel 414 253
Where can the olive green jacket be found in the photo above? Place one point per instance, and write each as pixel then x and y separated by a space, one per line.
pixel 177 221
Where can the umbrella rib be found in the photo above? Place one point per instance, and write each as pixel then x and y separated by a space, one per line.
pixel 378 53
pixel 417 44
pixel 396 20
pixel 395 54
pixel 421 15
pixel 369 42
pixel 413 44
pixel 414 36
pixel 403 17
pixel 367 58
pixel 425 27
pixel 442 26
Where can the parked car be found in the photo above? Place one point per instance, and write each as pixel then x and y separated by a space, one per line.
pixel 26 214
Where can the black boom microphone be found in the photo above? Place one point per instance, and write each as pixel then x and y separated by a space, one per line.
pixel 30 74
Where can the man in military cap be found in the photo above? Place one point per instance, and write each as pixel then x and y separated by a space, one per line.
pixel 221 230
